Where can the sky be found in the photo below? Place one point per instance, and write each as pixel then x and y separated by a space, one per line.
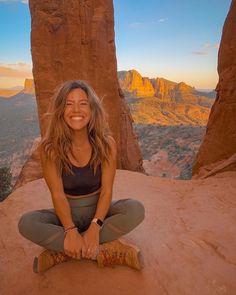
pixel 174 39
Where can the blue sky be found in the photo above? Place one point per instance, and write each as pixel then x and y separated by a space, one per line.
pixel 174 39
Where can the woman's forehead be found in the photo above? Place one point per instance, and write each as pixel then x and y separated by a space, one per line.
pixel 77 94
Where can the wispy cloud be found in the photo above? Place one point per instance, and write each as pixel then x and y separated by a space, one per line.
pixel 144 25
pixel 21 1
pixel 19 70
pixel 209 45
pixel 206 49
pixel 199 52
pixel 162 20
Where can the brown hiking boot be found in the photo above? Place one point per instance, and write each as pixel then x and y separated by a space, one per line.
pixel 47 259
pixel 119 252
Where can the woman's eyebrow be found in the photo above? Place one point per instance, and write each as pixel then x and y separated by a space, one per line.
pixel 83 99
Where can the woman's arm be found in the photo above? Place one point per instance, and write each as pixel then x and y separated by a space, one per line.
pixel 73 241
pixel 54 182
pixel 108 175
pixel 91 236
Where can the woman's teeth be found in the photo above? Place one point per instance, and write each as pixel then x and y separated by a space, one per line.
pixel 77 118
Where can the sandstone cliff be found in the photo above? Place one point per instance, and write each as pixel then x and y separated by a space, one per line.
pixel 134 85
pixel 75 40
pixel 220 139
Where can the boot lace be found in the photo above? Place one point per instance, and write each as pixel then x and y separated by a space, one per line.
pixel 113 257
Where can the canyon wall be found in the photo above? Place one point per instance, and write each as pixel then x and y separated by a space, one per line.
pixel 219 143
pixel 75 40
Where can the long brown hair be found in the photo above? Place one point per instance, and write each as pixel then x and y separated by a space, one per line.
pixel 57 142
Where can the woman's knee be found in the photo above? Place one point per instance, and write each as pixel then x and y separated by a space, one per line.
pixel 26 223
pixel 135 210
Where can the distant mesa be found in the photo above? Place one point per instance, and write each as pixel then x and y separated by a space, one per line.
pixel 134 85
pixel 29 86
pixel 163 102
pixel 27 89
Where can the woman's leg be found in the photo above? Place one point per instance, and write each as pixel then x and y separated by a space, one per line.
pixel 122 217
pixel 44 228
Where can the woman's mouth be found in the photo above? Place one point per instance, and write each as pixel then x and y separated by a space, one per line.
pixel 77 118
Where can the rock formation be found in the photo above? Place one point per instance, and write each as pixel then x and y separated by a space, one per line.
pixel 188 241
pixel 75 40
pixel 29 86
pixel 133 82
pixel 134 85
pixel 220 140
pixel 5 93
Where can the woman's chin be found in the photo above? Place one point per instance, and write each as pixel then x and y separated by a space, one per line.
pixel 76 127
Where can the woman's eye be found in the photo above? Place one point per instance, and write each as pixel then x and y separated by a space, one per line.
pixel 68 103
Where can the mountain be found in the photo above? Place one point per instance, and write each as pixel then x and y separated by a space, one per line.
pixel 27 89
pixel 169 120
pixel 164 102
pixel 8 92
pixel 134 85
pixel 19 127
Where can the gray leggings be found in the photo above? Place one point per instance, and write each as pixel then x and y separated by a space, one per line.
pixel 44 228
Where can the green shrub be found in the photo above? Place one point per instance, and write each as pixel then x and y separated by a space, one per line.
pixel 5 182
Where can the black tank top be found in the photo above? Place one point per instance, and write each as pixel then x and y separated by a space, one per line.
pixel 83 182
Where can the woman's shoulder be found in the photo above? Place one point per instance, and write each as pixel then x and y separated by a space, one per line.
pixel 46 154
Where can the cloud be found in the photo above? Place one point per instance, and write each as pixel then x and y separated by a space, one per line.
pixel 199 52
pixel 162 20
pixel 19 70
pixel 209 45
pixel 143 25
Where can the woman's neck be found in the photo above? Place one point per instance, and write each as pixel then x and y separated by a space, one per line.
pixel 80 139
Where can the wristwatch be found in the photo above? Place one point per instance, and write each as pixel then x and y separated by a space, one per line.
pixel 98 221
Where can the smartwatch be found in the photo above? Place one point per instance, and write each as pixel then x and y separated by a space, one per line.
pixel 98 221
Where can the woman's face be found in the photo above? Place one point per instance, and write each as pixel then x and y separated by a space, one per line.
pixel 77 112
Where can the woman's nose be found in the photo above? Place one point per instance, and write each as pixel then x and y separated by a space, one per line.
pixel 76 107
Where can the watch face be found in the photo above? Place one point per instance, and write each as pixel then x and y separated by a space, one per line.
pixel 99 222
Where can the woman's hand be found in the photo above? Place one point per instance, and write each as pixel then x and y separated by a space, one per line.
pixel 73 244
pixel 91 241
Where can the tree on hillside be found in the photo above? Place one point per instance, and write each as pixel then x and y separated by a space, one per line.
pixel 5 182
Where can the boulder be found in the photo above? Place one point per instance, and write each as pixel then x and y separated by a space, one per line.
pixel 188 241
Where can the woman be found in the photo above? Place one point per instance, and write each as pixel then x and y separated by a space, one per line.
pixel 78 156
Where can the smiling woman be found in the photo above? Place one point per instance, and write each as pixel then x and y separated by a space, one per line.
pixel 78 155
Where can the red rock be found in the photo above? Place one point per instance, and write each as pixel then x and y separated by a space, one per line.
pixel 220 140
pixel 29 86
pixel 188 240
pixel 75 40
